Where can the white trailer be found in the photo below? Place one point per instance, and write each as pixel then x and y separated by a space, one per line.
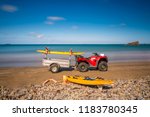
pixel 55 64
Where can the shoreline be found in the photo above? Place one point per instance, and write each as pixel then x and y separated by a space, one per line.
pixel 39 64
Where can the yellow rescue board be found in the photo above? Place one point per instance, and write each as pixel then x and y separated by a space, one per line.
pixel 60 52
pixel 84 81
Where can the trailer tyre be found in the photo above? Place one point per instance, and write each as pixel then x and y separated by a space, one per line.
pixel 83 67
pixel 54 68
pixel 102 66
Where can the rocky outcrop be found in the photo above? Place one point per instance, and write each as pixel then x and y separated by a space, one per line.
pixel 135 43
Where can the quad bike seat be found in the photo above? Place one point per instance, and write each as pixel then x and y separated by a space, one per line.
pixel 95 54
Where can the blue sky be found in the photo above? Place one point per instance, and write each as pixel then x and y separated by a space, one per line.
pixel 74 21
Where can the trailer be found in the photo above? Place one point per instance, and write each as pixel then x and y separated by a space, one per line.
pixel 56 64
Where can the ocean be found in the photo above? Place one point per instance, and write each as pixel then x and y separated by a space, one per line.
pixel 14 55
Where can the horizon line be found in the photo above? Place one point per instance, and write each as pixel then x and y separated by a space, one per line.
pixel 68 44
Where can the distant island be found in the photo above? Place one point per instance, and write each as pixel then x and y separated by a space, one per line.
pixel 7 44
pixel 134 43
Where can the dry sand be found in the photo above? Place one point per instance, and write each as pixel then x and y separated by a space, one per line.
pixel 23 76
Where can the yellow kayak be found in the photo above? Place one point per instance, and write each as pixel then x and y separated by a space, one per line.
pixel 60 52
pixel 87 81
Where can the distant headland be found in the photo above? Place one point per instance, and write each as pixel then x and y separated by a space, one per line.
pixel 134 43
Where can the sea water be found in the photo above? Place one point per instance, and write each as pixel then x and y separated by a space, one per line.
pixel 26 55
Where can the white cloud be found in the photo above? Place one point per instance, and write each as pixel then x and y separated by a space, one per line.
pixel 9 8
pixel 52 19
pixel 55 18
pixel 75 27
pixel 49 22
pixel 39 36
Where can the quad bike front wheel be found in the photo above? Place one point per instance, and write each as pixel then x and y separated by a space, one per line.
pixel 102 66
pixel 83 67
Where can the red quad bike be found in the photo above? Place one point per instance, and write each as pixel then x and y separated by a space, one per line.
pixel 96 61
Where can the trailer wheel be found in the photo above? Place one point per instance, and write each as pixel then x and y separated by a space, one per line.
pixel 102 66
pixel 54 68
pixel 83 67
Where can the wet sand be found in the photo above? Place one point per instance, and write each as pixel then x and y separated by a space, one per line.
pixel 15 77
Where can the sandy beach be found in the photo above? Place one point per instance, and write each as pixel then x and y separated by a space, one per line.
pixel 22 76
pixel 132 81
